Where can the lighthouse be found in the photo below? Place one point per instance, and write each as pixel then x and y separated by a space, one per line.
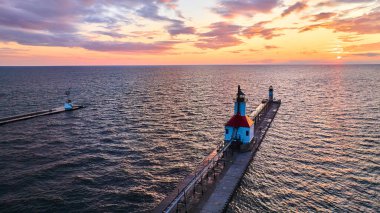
pixel 68 105
pixel 240 128
pixel 270 94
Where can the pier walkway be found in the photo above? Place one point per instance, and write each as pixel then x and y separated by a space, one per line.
pixel 210 188
pixel 35 114
pixel 226 186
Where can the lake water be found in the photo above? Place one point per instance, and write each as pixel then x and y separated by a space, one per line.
pixel 145 128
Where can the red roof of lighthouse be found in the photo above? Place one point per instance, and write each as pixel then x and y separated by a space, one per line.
pixel 239 121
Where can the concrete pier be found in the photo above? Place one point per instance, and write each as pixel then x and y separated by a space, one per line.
pixel 208 191
pixel 35 114
pixel 226 186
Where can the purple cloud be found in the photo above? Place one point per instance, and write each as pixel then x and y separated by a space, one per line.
pixel 336 2
pixel 56 23
pixel 222 28
pixel 221 35
pixel 19 18
pixel 355 1
pixel 150 11
pixel 38 38
pixel 135 47
pixel 111 34
pixel 297 7
pixel 370 54
pixel 71 40
pixel 231 8
pixel 178 28
pixel 59 16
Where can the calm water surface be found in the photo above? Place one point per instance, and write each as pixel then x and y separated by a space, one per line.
pixel 145 128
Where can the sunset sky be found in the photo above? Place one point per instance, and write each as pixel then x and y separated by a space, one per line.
pixel 155 32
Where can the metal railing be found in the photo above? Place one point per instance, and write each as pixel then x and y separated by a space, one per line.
pixel 197 178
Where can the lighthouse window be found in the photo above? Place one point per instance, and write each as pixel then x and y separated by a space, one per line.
pixel 247 133
pixel 226 131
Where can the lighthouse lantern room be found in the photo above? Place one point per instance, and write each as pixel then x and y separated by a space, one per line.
pixel 240 127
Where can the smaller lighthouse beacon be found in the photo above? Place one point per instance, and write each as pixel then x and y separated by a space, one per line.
pixel 270 93
pixel 68 105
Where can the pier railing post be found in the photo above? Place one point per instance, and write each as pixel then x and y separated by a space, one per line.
pixel 195 185
pixel 184 197
pixel 202 184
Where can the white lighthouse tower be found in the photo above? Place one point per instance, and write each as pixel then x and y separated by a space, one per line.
pixel 240 128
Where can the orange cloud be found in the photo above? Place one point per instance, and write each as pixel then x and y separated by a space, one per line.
pixel 349 38
pixel 6 51
pixel 364 47
pixel 259 30
pixel 322 16
pixel 268 47
pixel 366 24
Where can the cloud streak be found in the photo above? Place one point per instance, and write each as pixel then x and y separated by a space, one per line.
pixel 131 47
pixel 258 30
pixel 269 47
pixel 295 8
pixel 322 16
pixel 364 47
pixel 178 28
pixel 221 34
pixel 22 18
pixel 367 54
pixel 232 8
pixel 71 40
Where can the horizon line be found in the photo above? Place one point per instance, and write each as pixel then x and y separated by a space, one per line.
pixel 157 65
